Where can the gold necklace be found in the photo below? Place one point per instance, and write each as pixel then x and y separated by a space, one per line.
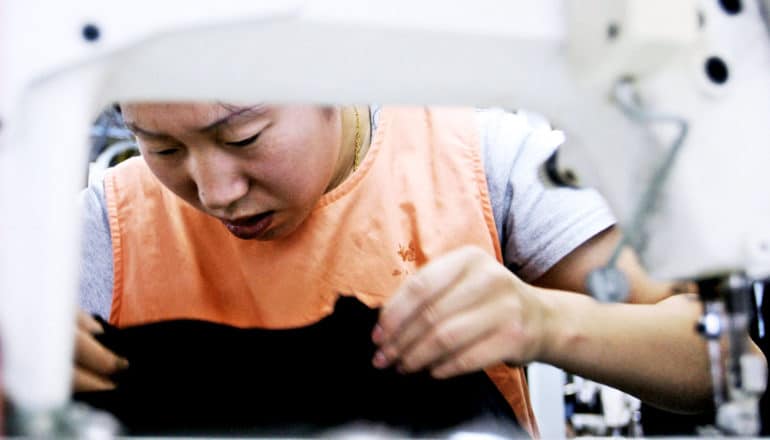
pixel 357 145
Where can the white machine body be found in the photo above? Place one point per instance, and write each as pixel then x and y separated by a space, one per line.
pixel 63 61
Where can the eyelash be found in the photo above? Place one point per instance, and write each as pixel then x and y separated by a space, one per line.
pixel 238 144
pixel 168 152
pixel 245 142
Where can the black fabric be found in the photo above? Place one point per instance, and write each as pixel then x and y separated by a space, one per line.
pixel 657 422
pixel 194 377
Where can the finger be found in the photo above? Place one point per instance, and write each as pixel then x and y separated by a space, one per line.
pixel 470 292
pixel 84 380
pixel 420 289
pixel 482 354
pixel 452 336
pixel 93 356
pixel 89 324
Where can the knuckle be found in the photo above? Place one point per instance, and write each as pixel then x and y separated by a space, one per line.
pixel 414 360
pixel 81 343
pixel 408 363
pixel 479 253
pixel 430 315
pixel 78 382
pixel 114 364
pixel 463 363
pixel 417 287
pixel 445 339
pixel 387 321
pixel 391 351
pixel 474 252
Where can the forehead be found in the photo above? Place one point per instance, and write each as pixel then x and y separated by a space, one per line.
pixel 185 115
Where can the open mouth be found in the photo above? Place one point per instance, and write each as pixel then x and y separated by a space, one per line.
pixel 250 227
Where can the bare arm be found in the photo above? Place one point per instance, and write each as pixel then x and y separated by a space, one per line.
pixel 651 351
pixel 658 341
pixel 570 273
pixel 465 311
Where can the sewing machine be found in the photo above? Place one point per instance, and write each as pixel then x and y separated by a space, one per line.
pixel 664 105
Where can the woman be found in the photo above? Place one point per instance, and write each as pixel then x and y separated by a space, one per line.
pixel 268 217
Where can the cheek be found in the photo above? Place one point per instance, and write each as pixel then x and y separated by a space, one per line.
pixel 301 168
pixel 298 178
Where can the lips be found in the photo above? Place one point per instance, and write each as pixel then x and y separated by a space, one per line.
pixel 252 227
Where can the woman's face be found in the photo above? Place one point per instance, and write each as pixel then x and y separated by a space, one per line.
pixel 259 169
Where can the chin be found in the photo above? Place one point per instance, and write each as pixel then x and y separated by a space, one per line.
pixel 276 233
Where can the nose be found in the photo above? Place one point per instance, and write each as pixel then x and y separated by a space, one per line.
pixel 219 181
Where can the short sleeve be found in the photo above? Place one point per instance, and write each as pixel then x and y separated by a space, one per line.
pixel 538 224
pixel 96 274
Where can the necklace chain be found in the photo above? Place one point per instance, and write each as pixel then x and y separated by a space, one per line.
pixel 357 145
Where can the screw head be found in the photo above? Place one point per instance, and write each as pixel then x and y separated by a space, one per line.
pixel 91 32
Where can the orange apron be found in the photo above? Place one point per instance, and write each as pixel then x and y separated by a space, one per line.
pixel 419 193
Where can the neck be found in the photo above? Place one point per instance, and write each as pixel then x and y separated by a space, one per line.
pixel 347 157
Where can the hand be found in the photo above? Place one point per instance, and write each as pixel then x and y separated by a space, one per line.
pixel 94 364
pixel 461 313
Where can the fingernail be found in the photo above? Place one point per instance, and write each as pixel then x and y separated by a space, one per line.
pixel 378 334
pixel 439 374
pixel 122 363
pixel 96 327
pixel 379 360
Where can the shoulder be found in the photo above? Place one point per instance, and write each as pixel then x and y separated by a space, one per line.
pixel 134 167
pixel 132 178
pixel 512 146
pixel 537 225
pixel 509 137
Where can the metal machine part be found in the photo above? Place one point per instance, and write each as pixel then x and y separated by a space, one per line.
pixel 608 284
pixel 106 131
pixel 599 410
pixel 111 143
pixel 741 378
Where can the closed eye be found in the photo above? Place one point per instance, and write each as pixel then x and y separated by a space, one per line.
pixel 167 152
pixel 244 142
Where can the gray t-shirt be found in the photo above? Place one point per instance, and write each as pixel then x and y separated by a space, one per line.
pixel 539 225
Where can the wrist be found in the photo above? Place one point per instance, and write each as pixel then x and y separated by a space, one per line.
pixel 559 331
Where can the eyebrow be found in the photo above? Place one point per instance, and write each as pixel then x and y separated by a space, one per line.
pixel 235 112
pixel 142 132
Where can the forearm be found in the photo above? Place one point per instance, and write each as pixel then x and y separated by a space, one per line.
pixel 651 351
